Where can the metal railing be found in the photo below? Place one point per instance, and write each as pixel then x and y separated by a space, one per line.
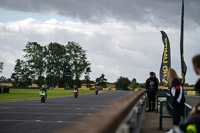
pixel 186 110
pixel 167 103
pixel 132 122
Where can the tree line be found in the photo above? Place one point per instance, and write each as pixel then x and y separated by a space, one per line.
pixel 54 65
pixel 58 65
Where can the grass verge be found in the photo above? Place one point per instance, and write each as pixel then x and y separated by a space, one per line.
pixel 24 94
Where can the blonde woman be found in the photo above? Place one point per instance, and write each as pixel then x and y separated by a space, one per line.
pixel 177 95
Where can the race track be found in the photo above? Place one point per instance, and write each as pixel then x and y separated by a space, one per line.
pixel 31 116
pixel 192 100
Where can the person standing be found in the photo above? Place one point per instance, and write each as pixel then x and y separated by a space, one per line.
pixel 177 96
pixel 196 66
pixel 154 75
pixel 152 87
pixel 191 124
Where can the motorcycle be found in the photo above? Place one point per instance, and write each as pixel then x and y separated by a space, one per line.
pixel 96 91
pixel 43 95
pixel 75 93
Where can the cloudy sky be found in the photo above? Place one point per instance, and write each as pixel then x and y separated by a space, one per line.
pixel 122 37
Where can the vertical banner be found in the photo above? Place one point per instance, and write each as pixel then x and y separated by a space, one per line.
pixel 166 59
pixel 183 65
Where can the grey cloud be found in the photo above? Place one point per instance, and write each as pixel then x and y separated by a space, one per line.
pixel 113 49
pixel 163 13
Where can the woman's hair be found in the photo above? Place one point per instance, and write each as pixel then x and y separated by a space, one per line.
pixel 171 75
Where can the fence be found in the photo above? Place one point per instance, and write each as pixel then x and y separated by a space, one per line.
pixel 167 104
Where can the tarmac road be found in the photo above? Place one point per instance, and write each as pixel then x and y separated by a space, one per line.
pixel 31 116
pixel 192 100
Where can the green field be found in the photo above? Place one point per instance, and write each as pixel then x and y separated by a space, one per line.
pixel 24 94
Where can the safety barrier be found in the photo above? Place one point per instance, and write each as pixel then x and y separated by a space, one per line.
pixel 167 104
pixel 59 88
pixel 161 96
pixel 191 93
pixel 113 118
pixel 104 89
pixel 186 110
pixel 132 123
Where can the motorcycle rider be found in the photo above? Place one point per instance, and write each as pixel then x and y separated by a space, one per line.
pixel 44 89
pixel 96 89
pixel 76 88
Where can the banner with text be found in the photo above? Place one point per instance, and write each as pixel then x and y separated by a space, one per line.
pixel 166 59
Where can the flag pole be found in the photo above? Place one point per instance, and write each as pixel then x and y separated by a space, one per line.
pixel 183 65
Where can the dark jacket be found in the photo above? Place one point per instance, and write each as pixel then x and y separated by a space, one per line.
pixel 197 88
pixel 177 92
pixel 151 85
pixel 194 119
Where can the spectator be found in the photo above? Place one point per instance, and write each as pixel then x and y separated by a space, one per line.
pixel 152 88
pixel 154 75
pixel 196 66
pixel 192 123
pixel 177 96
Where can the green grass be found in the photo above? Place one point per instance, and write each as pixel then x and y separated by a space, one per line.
pixel 24 94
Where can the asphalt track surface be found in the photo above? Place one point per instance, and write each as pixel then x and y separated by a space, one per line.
pixel 192 100
pixel 31 116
